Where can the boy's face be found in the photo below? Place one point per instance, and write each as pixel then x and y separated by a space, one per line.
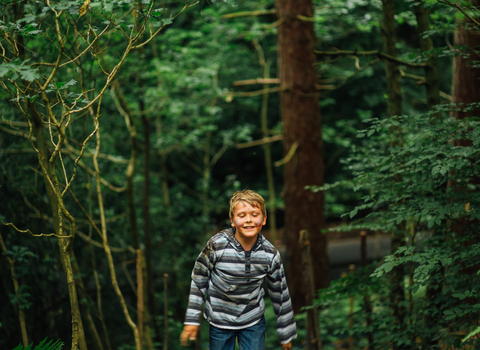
pixel 248 220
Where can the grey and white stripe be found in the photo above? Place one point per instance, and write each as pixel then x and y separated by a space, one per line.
pixel 230 279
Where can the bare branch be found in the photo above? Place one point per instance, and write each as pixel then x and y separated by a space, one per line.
pixel 261 81
pixel 305 18
pixel 260 142
pixel 77 160
pixel 289 155
pixel 16 133
pixel 231 95
pixel 163 26
pixel 33 234
pixel 249 13
pixel 13 123
pixel 218 155
pixel 460 8
pixel 366 53
pixel 100 245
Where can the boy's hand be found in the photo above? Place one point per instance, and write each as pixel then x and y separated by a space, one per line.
pixel 189 333
pixel 287 346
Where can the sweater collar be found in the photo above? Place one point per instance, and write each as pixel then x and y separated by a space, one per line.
pixel 230 234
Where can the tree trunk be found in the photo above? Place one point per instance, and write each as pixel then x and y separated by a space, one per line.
pixel 466 79
pixel 84 306
pixel 149 280
pixel 304 210
pixel 53 192
pixel 268 162
pixel 465 90
pixel 426 45
pixel 146 210
pixel 433 99
pixel 108 253
pixel 394 107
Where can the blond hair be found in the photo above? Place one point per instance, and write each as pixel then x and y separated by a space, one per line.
pixel 249 196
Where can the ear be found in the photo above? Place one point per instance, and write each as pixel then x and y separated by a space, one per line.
pixel 233 224
pixel 264 221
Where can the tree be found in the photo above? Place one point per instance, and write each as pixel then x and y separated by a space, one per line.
pixel 49 106
pixel 302 142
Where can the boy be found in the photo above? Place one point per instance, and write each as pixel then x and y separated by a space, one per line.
pixel 229 273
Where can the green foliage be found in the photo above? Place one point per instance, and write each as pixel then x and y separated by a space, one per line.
pixel 182 77
pixel 421 172
pixel 18 69
pixel 43 345
pixel 21 298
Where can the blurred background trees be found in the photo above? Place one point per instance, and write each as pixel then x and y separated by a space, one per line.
pixel 127 125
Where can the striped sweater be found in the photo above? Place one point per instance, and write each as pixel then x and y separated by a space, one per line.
pixel 230 279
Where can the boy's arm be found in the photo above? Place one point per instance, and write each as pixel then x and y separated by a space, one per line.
pixel 199 285
pixel 282 304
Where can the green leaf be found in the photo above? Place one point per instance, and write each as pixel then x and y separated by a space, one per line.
pixel 353 212
pixel 167 21
pixel 388 267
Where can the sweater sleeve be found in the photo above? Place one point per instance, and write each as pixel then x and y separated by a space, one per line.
pixel 199 285
pixel 282 304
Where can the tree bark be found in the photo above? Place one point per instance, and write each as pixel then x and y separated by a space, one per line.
pixel 304 210
pixel 56 203
pixel 84 306
pixel 106 247
pixel 313 328
pixel 466 79
pixel 426 45
pixel 392 69
pixel 394 107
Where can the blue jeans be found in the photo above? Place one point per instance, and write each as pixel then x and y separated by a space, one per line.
pixel 251 338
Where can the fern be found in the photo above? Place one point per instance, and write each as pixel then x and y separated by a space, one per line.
pixel 43 345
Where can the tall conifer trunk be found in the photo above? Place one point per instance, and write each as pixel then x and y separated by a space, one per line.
pixel 426 45
pixel 302 128
pixel 394 107
pixel 466 90
pixel 466 79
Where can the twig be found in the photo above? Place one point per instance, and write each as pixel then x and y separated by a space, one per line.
pixel 305 18
pixel 230 95
pixel 261 81
pixel 163 26
pixel 249 13
pixel 260 142
pixel 100 245
pixel 17 133
pixel 458 7
pixel 289 155
pixel 33 234
pixel 366 53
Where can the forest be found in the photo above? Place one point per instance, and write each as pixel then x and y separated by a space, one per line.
pixel 127 125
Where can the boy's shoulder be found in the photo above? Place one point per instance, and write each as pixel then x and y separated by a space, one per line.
pixel 220 239
pixel 268 247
